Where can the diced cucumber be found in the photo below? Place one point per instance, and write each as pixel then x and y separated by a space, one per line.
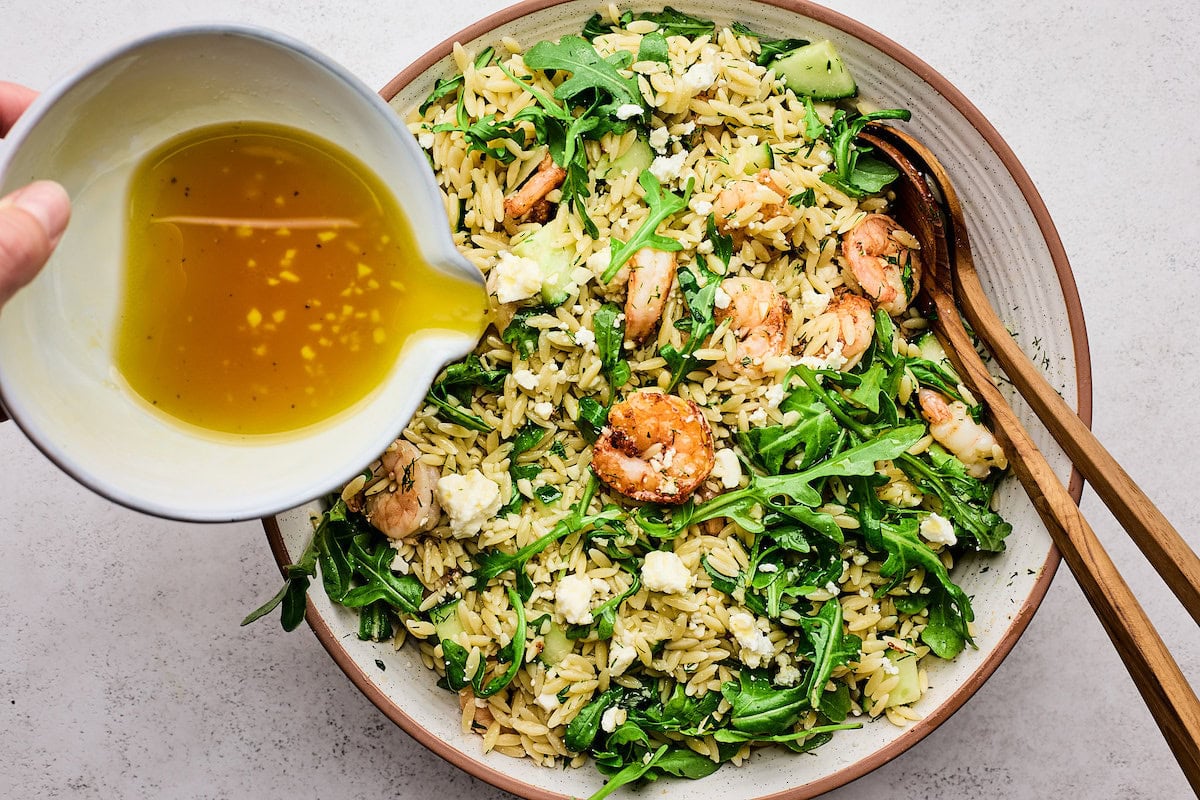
pixel 445 620
pixel 931 349
pixel 759 158
pixel 557 646
pixel 908 689
pixel 636 158
pixel 547 248
pixel 815 70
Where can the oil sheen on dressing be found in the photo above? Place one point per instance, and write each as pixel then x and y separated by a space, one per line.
pixel 271 282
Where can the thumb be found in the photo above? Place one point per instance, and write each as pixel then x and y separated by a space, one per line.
pixel 32 220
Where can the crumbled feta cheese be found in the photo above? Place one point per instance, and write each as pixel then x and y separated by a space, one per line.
pixel 658 139
pixel 889 667
pixel 833 360
pixel 787 675
pixel 664 572
pixel 598 261
pixel 813 304
pixel 938 530
pixel 699 76
pixel 666 168
pixel 860 559
pixel 758 417
pixel 585 338
pixel 687 128
pixel 774 395
pixel 704 247
pixel 727 469
pixel 721 298
pixel 751 140
pixel 620 656
pixel 516 278
pixel 543 409
pixel 548 701
pixel 613 718
pixel 628 111
pixel 573 599
pixel 702 207
pixel 768 568
pixel 470 500
pixel 399 563
pixel 426 141
pixel 525 379
pixel 832 588
pixel 755 646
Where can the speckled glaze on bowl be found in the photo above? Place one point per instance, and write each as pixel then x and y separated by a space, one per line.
pixel 1026 273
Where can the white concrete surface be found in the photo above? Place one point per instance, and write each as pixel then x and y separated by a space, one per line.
pixel 123 672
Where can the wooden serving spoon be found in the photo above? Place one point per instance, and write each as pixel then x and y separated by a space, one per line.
pixel 1155 673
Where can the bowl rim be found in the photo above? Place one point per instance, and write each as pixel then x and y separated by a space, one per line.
pixel 1083 379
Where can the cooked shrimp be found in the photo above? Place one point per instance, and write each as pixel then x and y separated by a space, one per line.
pixel 409 506
pixel 651 276
pixel 854 321
pixel 548 177
pixel 656 447
pixel 761 320
pixel 951 426
pixel 883 258
pixel 738 201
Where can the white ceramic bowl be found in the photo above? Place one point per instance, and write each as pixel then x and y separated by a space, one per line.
pixel 1030 282
pixel 57 378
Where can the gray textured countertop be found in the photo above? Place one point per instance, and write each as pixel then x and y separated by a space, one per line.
pixel 123 672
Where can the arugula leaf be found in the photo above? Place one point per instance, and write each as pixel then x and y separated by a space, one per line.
pixel 769 49
pixel 592 418
pixel 608 324
pixel 654 48
pixel 905 552
pixel 445 86
pixel 813 127
pixel 401 592
pixel 759 708
pixel 815 430
pixel 604 616
pixel 722 243
pixel 292 595
pixel 943 633
pixel 681 712
pixel 684 763
pixel 853 175
pixel 963 500
pixel 700 302
pixel 663 204
pixel 590 72
pixel 582 730
pixel 830 647
pixel 731 736
pixel 670 22
pixel 452 413
pixel 548 494
pixel 529 437
pixel 459 381
pixel 629 774
pixel 454 657
pixel 492 564
pixel 482 132
pixel 520 334
pixel 677 23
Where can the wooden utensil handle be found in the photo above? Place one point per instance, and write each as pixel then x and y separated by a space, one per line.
pixel 1154 672
pixel 1150 530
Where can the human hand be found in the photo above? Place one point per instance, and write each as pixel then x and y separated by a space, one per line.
pixel 33 217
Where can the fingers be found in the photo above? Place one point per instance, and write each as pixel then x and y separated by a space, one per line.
pixel 14 99
pixel 32 220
